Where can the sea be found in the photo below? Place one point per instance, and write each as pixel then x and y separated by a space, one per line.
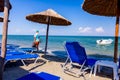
pixel 56 44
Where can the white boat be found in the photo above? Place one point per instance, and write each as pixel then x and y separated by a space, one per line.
pixel 104 41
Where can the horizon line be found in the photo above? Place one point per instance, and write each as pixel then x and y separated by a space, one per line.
pixel 57 35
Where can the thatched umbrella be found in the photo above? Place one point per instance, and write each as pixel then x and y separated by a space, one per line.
pixel 4 7
pixel 49 17
pixel 105 8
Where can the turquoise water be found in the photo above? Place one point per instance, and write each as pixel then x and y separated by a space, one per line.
pixel 56 44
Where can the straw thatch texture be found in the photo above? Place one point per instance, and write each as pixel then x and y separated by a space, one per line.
pixel 101 7
pixel 2 5
pixel 42 17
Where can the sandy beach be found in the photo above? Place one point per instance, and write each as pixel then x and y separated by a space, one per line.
pixel 49 64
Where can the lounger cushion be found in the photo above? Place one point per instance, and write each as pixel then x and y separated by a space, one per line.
pixel 90 62
pixel 76 52
pixel 39 76
pixel 31 76
pixel 27 49
pixel 47 76
pixel 23 56
pixel 14 53
pixel 72 53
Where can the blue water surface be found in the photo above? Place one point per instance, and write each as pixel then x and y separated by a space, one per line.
pixel 56 44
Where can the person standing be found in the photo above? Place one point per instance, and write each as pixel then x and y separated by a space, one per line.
pixel 37 40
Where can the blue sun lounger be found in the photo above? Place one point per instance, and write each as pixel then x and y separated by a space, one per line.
pixel 9 52
pixel 20 56
pixel 77 54
pixel 15 52
pixel 11 46
pixel 30 50
pixel 40 76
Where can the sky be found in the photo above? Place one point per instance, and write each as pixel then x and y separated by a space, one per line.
pixel 83 23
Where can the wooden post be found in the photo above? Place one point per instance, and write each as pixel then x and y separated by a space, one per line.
pixel 116 40
pixel 47 35
pixel 4 37
pixel 116 33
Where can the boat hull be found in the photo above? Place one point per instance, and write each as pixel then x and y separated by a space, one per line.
pixel 104 42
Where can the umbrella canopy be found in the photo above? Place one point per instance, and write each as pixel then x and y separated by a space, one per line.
pixel 101 7
pixel 105 8
pixel 42 17
pixel 49 17
pixel 2 5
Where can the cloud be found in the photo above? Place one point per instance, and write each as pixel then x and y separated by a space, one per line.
pixel 99 30
pixel 85 29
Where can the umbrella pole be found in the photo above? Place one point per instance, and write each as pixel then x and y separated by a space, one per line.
pixel 4 37
pixel 116 36
pixel 116 40
pixel 47 35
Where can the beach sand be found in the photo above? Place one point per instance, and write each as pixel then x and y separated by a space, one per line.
pixel 49 64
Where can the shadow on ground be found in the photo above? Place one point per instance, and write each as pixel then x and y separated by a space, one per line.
pixel 58 56
pixel 13 73
pixel 100 57
pixel 14 70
